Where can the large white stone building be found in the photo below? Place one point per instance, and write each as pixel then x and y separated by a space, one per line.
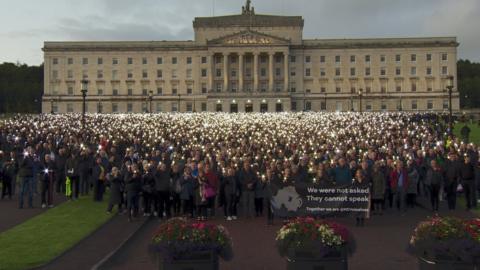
pixel 251 62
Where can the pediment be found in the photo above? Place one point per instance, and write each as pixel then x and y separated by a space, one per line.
pixel 246 38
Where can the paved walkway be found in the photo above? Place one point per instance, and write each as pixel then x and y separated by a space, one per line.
pixel 381 244
pixel 94 248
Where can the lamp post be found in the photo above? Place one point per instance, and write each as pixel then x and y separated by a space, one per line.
pixel 150 99
pixel 325 100
pixel 450 81
pixel 84 97
pixel 304 101
pixel 194 110
pixel 360 93
pixel 178 109
pixel 400 106
pixel 51 106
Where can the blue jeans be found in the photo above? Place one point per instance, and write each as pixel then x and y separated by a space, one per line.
pixel 27 185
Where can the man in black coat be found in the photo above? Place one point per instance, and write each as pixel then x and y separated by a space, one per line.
pixel 162 189
pixel 72 169
pixel 60 162
pixel 47 176
pixel 467 174
pixel 25 173
pixel 248 181
pixel 452 174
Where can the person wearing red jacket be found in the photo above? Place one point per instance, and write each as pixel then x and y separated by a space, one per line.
pixel 213 186
pixel 399 185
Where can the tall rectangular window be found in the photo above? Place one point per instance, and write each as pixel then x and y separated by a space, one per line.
pixel 174 60
pixel 398 58
pixel 413 71
pixel 413 57
pixel 100 61
pixel 337 58
pixel 444 70
pixel 85 61
pixel 444 57
pixel 159 60
pixel 70 61
pixel 307 59
pixel 352 59
pixel 337 72
pixel 159 73
pixel 307 72
pixel 352 72
pixel 429 57
pixel 144 61
pixel 130 61
pixel 367 71
pixel 189 60
pixel 115 61
pixel 322 58
pixel 367 58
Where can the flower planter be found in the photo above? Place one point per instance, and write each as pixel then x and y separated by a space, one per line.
pixel 445 264
pixel 303 259
pixel 199 260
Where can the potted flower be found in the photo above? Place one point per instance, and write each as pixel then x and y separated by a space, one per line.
pixel 447 243
pixel 309 243
pixel 179 244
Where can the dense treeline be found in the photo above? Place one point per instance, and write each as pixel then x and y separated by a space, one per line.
pixel 469 83
pixel 21 86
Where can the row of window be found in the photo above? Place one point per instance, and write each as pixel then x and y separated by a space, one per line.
pixel 248 73
pixel 368 71
pixel 263 59
pixel 368 58
pixel 190 107
pixel 412 105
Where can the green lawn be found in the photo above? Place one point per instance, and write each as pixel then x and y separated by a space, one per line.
pixel 44 237
pixel 474 134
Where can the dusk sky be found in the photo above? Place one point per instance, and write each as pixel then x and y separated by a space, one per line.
pixel 26 24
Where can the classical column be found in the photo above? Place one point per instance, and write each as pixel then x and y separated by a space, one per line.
pixel 211 72
pixel 286 71
pixel 255 71
pixel 225 71
pixel 270 71
pixel 240 71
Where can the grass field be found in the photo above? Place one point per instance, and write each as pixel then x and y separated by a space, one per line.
pixel 474 134
pixel 44 237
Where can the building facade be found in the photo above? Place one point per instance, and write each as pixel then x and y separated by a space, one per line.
pixel 251 63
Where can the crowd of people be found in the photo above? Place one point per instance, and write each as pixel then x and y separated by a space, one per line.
pixel 167 165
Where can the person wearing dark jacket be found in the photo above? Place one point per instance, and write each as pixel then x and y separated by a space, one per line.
pixel 162 190
pixel 272 184
pixel 72 171
pixel 188 185
pixel 399 185
pixel 25 172
pixel 116 190
pixel 378 189
pixel 342 174
pixel 60 162
pixel 133 187
pixel 467 174
pixel 434 181
pixel 359 182
pixel 99 176
pixel 452 174
pixel 47 176
pixel 84 170
pixel 248 181
pixel 148 190
pixel 8 173
pixel 230 191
